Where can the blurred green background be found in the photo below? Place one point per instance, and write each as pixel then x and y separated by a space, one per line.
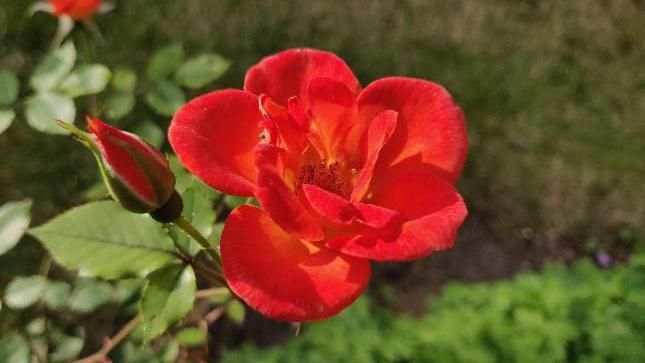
pixel 554 96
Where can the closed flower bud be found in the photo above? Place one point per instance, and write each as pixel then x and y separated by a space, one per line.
pixel 136 174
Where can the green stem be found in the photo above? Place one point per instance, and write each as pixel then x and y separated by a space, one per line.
pixel 182 223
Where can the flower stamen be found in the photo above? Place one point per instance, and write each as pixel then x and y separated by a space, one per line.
pixel 325 175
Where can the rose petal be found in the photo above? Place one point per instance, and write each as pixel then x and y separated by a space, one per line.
pixel 280 202
pixel 330 206
pixel 432 209
pixel 214 137
pixel 378 134
pixel 287 74
pixel 343 217
pixel 332 108
pixel 283 277
pixel 431 132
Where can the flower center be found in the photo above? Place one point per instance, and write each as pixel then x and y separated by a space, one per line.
pixel 324 175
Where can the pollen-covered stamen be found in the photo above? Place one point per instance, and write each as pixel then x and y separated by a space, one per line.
pixel 324 175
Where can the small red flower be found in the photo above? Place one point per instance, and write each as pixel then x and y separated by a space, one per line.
pixel 344 175
pixel 137 174
pixel 75 9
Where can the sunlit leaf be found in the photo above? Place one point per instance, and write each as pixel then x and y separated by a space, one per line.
pixel 89 295
pixel 6 118
pixel 57 294
pixel 216 233
pixel 102 239
pixel 14 220
pixel 119 104
pixel 167 299
pixel 124 80
pixel 43 109
pixel 14 349
pixel 53 68
pixel 165 62
pixel 165 98
pixel 150 132
pixel 86 80
pixel 66 349
pixel 24 291
pixel 191 337
pixel 201 70
pixel 234 201
pixel 9 87
pixel 235 311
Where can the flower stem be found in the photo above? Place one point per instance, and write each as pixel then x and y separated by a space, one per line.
pixel 101 355
pixel 182 223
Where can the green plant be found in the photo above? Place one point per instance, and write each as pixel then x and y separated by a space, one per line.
pixel 580 314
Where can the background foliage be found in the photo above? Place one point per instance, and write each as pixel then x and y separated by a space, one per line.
pixel 579 314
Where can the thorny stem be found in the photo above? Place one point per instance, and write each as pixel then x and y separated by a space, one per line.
pixel 112 342
pixel 182 223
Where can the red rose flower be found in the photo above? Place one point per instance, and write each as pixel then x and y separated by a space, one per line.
pixel 344 175
pixel 75 9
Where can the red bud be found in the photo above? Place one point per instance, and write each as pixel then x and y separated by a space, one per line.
pixel 137 174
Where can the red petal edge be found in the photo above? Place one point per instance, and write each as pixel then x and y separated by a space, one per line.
pixel 283 277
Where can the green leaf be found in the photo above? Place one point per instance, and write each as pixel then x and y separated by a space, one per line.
pixel 199 206
pixel 86 80
pixel 14 349
pixel 6 118
pixel 216 234
pixel 124 80
pixel 191 337
pixel 167 298
pixel 14 220
pixel 67 348
pixel 150 132
pixel 43 109
pixel 57 295
pixel 36 327
pixel 234 201
pixel 119 104
pixel 126 289
pixel 198 210
pixel 53 68
pixel 165 62
pixel 9 87
pixel 23 292
pixel 90 294
pixel 183 179
pixel 103 239
pixel 201 70
pixel 169 352
pixel 165 98
pixel 236 311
